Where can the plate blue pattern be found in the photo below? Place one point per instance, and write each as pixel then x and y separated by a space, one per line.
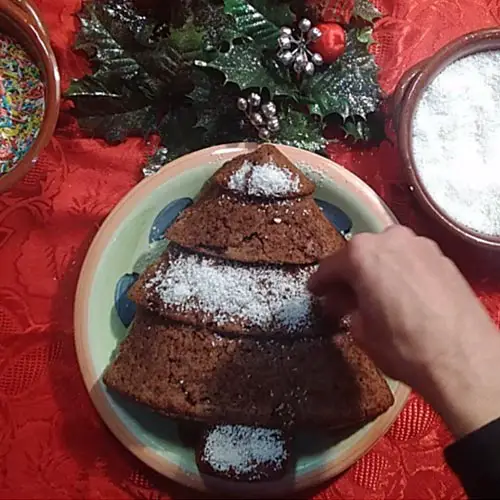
pixel 125 308
pixel 166 218
pixel 338 218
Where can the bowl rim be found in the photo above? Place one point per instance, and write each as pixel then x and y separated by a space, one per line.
pixel 411 87
pixel 97 392
pixel 25 17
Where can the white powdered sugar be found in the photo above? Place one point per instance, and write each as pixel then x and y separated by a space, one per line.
pixel 267 180
pixel 456 141
pixel 261 296
pixel 244 450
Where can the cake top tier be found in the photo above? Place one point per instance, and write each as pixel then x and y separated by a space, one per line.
pixel 265 173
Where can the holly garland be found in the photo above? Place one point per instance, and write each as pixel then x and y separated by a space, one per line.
pixel 220 71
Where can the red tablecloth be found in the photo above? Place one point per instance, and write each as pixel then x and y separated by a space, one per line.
pixel 52 442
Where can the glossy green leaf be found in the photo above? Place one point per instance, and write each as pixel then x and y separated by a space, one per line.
pixel 349 86
pixel 371 130
pixel 300 130
pixel 135 71
pixel 216 112
pixel 122 48
pixel 188 40
pixel 244 65
pixel 116 127
pixel 259 20
pixel 365 36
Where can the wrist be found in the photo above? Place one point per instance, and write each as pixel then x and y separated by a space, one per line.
pixel 465 390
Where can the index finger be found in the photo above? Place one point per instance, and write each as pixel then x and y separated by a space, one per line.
pixel 333 270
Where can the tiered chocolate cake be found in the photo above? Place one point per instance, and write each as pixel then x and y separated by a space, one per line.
pixel 227 333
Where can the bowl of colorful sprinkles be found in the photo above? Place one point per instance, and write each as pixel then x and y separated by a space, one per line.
pixel 29 90
pixel 447 115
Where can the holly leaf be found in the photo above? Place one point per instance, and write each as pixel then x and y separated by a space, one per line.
pixel 259 20
pixel 112 63
pixel 121 46
pixel 219 26
pixel 349 86
pixel 116 127
pixel 278 12
pixel 113 117
pixel 365 9
pixel 184 130
pixel 371 130
pixel 177 133
pixel 215 106
pixel 89 86
pixel 245 65
pixel 203 87
pixel 357 130
pixel 136 69
pixel 203 32
pixel 188 40
pixel 365 36
pixel 300 130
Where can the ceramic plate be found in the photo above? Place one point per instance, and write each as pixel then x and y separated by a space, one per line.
pixel 128 240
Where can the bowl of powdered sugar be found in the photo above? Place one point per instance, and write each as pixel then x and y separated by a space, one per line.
pixel 448 125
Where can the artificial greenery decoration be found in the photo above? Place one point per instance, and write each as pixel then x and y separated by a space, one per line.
pixel 178 73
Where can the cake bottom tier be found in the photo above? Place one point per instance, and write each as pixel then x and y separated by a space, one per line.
pixel 196 374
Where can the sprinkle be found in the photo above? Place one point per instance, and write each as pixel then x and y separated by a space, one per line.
pixel 266 180
pixel 456 142
pixel 277 220
pixel 225 292
pixel 22 103
pixel 244 450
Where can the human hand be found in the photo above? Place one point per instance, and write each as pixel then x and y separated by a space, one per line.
pixel 419 320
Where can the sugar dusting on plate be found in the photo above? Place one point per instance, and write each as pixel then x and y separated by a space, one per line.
pixel 456 141
pixel 262 296
pixel 242 450
pixel 266 180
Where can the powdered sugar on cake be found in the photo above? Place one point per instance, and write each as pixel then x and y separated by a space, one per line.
pixel 266 180
pixel 265 297
pixel 242 450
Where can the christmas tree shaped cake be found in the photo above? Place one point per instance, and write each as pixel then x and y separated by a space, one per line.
pixel 226 331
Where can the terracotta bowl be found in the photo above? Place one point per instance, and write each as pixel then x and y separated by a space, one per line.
pixel 406 97
pixel 21 20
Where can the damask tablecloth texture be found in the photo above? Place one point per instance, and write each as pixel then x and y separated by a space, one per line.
pixel 52 442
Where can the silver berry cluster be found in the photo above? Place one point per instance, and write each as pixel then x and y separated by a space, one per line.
pixel 294 49
pixel 261 115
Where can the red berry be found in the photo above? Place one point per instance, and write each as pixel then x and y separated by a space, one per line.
pixel 331 44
